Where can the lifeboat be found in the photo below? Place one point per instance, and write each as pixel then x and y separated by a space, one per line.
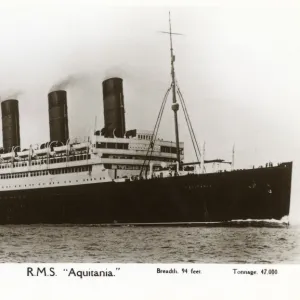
pixel 61 149
pixel 80 146
pixel 44 151
pixel 7 156
pixel 25 153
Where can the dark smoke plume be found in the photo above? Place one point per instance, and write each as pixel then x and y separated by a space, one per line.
pixel 68 81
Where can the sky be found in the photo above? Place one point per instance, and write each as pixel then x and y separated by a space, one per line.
pixel 237 66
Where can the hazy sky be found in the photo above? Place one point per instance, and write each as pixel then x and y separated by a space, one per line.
pixel 238 67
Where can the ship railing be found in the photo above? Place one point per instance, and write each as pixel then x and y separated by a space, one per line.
pixel 45 153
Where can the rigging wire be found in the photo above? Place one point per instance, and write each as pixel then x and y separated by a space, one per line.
pixel 157 124
pixel 190 127
pixel 154 134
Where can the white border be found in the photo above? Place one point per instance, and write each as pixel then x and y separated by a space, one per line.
pixel 136 281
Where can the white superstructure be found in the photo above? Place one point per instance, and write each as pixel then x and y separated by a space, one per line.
pixel 99 159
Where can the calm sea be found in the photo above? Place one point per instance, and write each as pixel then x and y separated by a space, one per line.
pixel 96 244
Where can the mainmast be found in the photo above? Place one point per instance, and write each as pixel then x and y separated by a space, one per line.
pixel 175 105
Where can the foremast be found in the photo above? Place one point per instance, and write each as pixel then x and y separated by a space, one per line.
pixel 175 105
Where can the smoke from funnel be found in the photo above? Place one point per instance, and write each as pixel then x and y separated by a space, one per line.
pixel 68 81
pixel 13 94
pixel 116 71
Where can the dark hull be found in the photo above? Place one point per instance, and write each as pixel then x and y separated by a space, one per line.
pixel 259 194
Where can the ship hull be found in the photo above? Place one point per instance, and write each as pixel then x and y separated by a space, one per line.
pixel 257 194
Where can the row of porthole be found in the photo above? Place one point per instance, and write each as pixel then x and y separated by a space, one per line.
pixel 54 182
pixel 43 172
pixel 139 147
pixel 190 187
pixel 6 166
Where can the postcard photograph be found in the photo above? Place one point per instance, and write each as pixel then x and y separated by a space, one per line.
pixel 150 133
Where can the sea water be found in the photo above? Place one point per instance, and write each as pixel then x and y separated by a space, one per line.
pixel 97 244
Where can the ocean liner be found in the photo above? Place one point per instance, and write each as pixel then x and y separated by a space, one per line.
pixel 118 177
